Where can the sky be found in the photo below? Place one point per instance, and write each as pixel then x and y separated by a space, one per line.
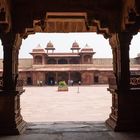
pixel 63 42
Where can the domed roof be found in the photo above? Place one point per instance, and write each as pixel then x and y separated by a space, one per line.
pixel 75 45
pixel 49 46
pixel 87 48
pixel 38 49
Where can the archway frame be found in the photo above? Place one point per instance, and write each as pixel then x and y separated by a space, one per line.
pixel 116 20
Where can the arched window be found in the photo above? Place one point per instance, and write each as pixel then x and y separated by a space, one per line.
pixel 51 61
pixel 38 60
pixel 62 61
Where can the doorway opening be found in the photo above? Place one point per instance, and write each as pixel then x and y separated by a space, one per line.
pixel 50 78
pixel 83 102
pixel 134 55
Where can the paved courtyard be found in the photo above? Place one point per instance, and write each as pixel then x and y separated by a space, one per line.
pixel 83 114
pixel 46 104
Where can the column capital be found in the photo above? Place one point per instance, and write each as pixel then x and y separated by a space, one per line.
pixel 11 39
pixel 8 38
pixel 119 39
pixel 124 38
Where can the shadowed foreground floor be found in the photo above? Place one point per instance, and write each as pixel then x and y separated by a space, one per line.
pixel 71 131
pixel 53 115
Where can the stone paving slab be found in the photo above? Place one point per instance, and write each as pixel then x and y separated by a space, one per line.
pixel 71 131
pixel 46 104
pixel 62 127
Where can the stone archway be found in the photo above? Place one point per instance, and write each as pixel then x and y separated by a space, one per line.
pixel 117 20
pixel 76 77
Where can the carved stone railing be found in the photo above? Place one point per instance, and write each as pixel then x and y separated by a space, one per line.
pixel 134 82
pixel 75 67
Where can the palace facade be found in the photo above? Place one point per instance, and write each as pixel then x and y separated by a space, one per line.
pixel 49 67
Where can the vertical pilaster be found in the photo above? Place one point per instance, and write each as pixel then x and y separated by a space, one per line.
pixel 10 118
pixel 123 61
pixel 69 76
pixel 56 77
pixel 119 118
pixel 43 59
pixel 8 64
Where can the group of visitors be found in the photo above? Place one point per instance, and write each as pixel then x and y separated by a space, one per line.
pixel 51 82
pixel 39 83
pixel 70 82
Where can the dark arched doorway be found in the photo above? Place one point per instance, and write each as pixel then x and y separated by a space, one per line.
pixel 76 77
pixel 29 81
pixel 50 78
pixel 63 76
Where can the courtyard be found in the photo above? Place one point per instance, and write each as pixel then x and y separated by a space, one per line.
pixel 78 114
pixel 83 103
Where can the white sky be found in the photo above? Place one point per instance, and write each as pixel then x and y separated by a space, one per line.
pixel 63 42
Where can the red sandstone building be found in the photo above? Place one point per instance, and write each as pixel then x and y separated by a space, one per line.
pixel 49 67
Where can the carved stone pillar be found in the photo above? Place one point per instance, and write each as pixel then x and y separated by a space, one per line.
pixel 69 75
pixel 56 77
pixel 125 100
pixel 123 62
pixel 10 118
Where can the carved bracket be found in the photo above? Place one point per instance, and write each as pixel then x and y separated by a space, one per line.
pixel 130 17
pixel 5 16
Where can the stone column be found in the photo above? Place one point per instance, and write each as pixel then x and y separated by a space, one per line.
pixel 10 118
pixel 43 59
pixel 56 60
pixel 123 62
pixel 125 101
pixel 69 75
pixel 81 59
pixel 56 77
pixel 68 60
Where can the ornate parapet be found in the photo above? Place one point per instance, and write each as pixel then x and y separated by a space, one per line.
pixel 134 82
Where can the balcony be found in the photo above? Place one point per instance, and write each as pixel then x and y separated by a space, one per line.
pixel 69 67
